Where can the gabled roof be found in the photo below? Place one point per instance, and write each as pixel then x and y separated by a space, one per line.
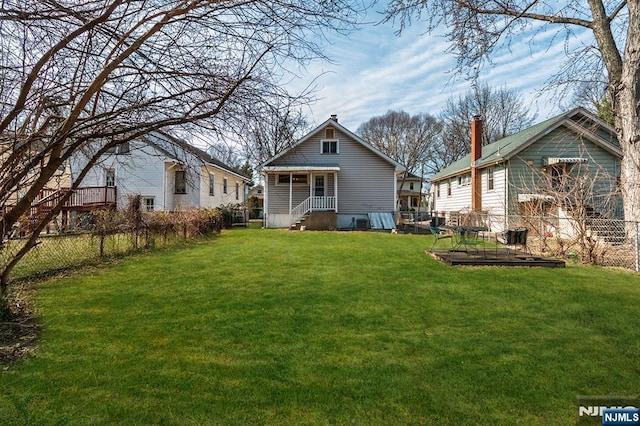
pixel 333 122
pixel 170 146
pixel 577 120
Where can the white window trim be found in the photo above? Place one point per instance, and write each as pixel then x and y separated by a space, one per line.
pixel 107 173
pixel 153 203
pixel 322 141
pixel 212 185
pixel 491 187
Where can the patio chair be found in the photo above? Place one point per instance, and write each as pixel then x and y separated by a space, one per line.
pixel 437 235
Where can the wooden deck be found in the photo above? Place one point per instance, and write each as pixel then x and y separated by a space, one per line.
pixel 493 257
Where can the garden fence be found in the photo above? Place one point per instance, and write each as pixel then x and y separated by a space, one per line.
pixel 597 240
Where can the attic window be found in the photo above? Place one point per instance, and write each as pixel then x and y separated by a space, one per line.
pixel 329 133
pixel 329 147
pixel 123 148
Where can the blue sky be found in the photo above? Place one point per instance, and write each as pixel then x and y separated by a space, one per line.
pixel 376 71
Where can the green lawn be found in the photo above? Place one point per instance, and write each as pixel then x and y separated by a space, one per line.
pixel 278 327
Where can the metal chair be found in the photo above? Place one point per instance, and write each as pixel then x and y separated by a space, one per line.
pixel 437 235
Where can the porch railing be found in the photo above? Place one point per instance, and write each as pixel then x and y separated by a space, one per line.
pixel 312 204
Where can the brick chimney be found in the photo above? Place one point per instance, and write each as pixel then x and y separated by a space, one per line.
pixel 476 154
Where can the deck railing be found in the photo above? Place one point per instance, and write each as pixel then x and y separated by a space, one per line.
pixel 81 197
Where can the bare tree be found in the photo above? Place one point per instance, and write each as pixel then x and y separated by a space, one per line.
pixel 502 111
pixel 90 75
pixel 477 29
pixel 406 138
pixel 570 203
pixel 277 129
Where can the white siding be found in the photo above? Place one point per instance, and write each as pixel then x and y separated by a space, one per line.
pixel 148 172
pixel 493 201
pixel 219 198
pixel 141 171
pixel 460 198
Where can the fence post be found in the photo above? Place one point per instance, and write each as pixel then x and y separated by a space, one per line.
pixel 636 249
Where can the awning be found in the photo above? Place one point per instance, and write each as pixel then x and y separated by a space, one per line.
pixel 565 160
pixel 302 168
pixel 526 198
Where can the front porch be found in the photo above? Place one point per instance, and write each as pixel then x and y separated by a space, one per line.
pixel 306 189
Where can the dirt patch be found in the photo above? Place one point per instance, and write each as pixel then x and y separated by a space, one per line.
pixel 19 329
pixel 18 337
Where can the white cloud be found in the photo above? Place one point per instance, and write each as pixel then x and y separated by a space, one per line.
pixel 376 71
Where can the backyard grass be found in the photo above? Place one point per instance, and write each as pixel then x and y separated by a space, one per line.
pixel 277 327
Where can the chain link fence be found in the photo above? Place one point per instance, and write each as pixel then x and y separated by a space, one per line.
pixel 109 234
pixel 596 240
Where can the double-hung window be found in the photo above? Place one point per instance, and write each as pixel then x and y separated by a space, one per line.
pixel 180 182
pixel 110 177
pixel 490 179
pixel 329 147
pixel 212 184
pixel 148 203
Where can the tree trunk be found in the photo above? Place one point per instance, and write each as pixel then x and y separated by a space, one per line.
pixel 628 116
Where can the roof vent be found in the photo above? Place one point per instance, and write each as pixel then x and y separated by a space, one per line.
pixel 334 117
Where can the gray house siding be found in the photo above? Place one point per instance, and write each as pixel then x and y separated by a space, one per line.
pixel 600 164
pixel 366 180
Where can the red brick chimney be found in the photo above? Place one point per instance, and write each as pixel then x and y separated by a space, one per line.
pixel 476 154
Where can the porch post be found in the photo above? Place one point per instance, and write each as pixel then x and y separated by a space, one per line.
pixel 311 184
pixel 335 191
pixel 290 194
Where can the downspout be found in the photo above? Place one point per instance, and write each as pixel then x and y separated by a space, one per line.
pixel 265 202
pixel 476 154
pixel 506 194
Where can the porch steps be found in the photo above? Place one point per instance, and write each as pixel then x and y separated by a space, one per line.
pixel 300 222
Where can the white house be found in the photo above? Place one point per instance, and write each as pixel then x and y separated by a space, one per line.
pixel 505 177
pixel 167 172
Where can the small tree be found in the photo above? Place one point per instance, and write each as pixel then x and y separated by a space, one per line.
pixel 571 202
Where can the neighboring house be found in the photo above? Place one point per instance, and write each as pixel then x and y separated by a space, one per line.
pixel 168 173
pixel 48 197
pixel 522 173
pixel 333 178
pixel 256 201
pixel 411 198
